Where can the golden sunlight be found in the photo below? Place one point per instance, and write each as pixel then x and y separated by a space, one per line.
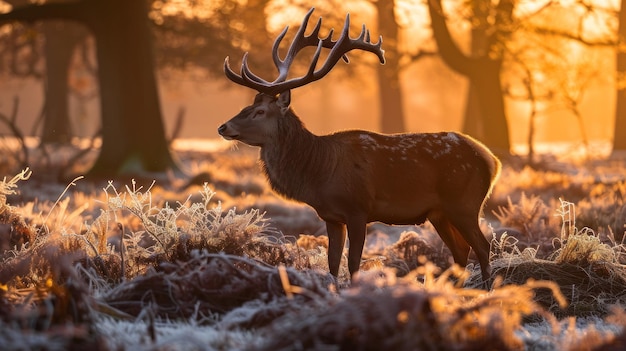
pixel 197 9
pixel 5 7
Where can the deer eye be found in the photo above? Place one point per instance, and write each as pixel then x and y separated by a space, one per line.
pixel 258 113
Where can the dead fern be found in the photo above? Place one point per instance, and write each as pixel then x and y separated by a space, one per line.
pixel 383 312
pixel 585 269
pixel 20 232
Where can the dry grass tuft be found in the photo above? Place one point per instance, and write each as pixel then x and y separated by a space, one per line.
pixel 406 254
pixel 211 283
pixel 16 232
pixel 531 221
pixel 586 270
pixel 382 312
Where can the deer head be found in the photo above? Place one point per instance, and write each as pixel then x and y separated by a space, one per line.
pixel 257 123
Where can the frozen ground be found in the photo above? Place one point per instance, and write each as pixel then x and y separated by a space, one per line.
pixel 525 206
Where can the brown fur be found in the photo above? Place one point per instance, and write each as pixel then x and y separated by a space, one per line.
pixel 355 177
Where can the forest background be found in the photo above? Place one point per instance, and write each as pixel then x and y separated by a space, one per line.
pixel 138 74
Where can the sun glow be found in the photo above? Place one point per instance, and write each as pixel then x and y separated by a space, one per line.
pixel 186 8
pixel 5 7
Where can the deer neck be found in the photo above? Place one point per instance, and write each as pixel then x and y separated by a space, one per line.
pixel 297 160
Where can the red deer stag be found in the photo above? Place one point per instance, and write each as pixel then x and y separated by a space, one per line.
pixel 356 177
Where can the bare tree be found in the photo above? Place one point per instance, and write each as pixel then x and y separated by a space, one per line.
pixel 495 33
pixel 133 135
pixel 55 46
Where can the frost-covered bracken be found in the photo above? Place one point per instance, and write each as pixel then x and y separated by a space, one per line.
pixel 249 287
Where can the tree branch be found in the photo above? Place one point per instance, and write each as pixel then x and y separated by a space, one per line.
pixel 449 51
pixel 73 11
pixel 11 123
pixel 408 59
pixel 576 36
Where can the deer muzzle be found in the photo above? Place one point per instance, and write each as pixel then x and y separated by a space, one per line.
pixel 227 134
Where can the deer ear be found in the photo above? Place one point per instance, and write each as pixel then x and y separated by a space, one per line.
pixel 284 99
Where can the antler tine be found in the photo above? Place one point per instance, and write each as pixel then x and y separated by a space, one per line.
pixel 245 78
pixel 279 39
pixel 247 74
pixel 345 44
pixel 364 42
pixel 299 42
pixel 249 79
pixel 230 74
pixel 329 43
pixel 316 56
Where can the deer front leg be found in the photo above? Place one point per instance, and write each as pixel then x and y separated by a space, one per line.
pixel 356 234
pixel 336 241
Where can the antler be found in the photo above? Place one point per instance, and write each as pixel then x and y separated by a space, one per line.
pixel 338 50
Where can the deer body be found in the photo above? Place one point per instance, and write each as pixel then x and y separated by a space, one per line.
pixel 352 178
pixel 355 177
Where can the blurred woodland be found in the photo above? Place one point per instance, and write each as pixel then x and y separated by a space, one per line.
pixel 156 261
pixel 523 62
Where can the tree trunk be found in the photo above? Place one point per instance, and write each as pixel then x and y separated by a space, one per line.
pixel 133 133
pixel 483 73
pixel 61 39
pixel 619 133
pixel 389 87
pixel 472 121
pixel 486 80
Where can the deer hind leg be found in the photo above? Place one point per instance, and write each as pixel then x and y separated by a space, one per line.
pixel 451 237
pixel 336 241
pixel 469 229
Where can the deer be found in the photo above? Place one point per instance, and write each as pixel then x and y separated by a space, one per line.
pixel 354 177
